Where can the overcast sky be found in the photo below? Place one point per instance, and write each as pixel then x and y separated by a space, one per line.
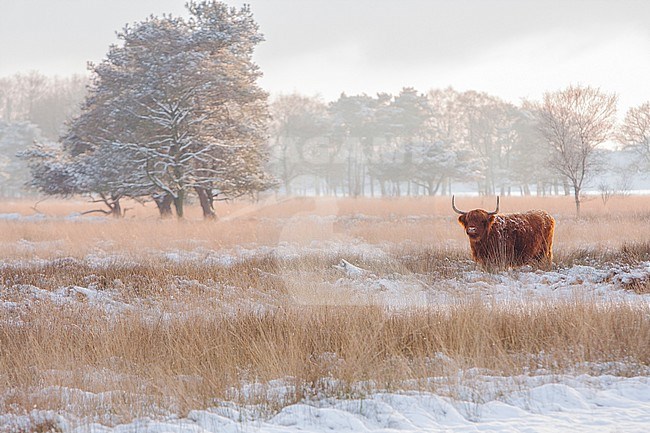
pixel 513 49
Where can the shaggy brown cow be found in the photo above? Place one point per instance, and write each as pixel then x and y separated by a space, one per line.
pixel 501 241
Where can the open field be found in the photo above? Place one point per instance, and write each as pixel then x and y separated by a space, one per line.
pixel 281 311
pixel 424 222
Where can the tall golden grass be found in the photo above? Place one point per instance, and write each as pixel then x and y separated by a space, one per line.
pixel 73 359
pixel 425 222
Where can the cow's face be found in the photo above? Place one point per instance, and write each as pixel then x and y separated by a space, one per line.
pixel 476 223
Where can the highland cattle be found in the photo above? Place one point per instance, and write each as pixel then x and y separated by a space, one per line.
pixel 501 241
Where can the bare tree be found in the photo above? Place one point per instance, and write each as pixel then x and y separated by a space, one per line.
pixel 634 133
pixel 47 102
pixel 574 122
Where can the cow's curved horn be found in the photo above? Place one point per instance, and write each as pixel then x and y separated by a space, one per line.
pixel 453 206
pixel 497 209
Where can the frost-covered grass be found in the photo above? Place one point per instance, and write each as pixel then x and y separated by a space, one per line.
pixel 282 307
pixel 80 358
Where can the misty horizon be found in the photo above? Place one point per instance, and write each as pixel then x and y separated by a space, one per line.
pixel 508 49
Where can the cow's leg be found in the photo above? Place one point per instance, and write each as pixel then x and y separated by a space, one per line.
pixel 546 256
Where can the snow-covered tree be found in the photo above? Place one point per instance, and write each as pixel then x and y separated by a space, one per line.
pixel 178 103
pixel 299 126
pixel 489 133
pixel 52 171
pixel 15 137
pixel 97 175
pixel 403 122
pixel 448 133
pixel 354 126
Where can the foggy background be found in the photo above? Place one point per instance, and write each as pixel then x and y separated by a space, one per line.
pixel 510 50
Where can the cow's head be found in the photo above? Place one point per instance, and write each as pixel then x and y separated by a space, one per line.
pixel 476 222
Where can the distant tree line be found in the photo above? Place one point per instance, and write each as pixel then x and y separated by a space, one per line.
pixel 45 102
pixel 421 143
pixel 33 108
pixel 174 113
pixel 412 143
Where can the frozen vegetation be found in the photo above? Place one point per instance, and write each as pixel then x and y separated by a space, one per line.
pixel 612 396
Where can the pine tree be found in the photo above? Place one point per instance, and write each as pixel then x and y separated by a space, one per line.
pixel 178 107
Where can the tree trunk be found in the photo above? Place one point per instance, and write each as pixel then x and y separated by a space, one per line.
pixel 178 203
pixel 113 203
pixel 286 178
pixel 576 196
pixel 164 204
pixel 116 209
pixel 440 183
pixel 207 203
pixel 428 189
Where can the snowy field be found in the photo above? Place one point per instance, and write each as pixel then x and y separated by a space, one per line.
pixel 610 396
pixel 515 404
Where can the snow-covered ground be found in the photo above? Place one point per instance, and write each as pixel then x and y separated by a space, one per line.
pixel 485 404
pixel 481 402
pixel 401 289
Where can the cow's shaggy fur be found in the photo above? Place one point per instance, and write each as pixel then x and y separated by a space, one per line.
pixel 502 241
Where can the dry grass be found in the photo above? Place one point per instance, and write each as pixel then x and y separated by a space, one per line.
pixel 142 278
pixel 424 222
pixel 639 285
pixel 189 363
pixel 194 333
